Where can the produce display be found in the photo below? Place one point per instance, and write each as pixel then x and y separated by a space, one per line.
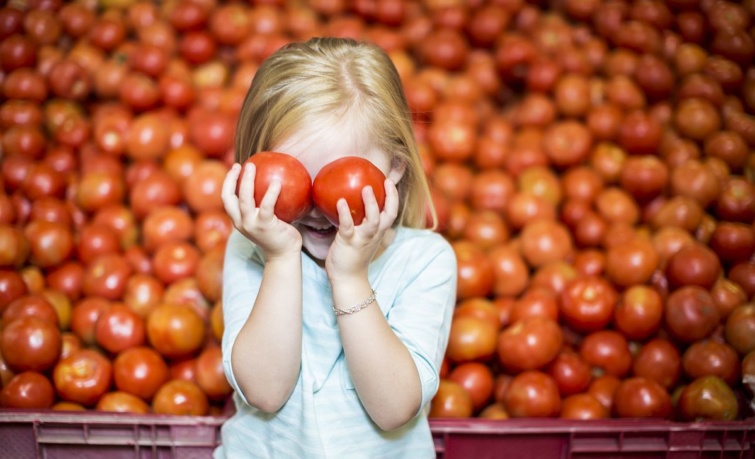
pixel 591 162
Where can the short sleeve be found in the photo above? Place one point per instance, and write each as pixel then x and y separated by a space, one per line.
pixel 423 307
pixel 242 275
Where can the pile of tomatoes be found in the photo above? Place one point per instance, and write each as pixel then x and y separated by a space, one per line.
pixel 591 161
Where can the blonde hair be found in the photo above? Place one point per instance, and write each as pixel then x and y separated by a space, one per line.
pixel 326 76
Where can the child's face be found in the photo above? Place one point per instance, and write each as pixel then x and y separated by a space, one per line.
pixel 318 145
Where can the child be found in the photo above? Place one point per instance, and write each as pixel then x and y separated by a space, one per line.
pixel 334 335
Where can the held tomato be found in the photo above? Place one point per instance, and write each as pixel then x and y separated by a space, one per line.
pixel 295 198
pixel 345 178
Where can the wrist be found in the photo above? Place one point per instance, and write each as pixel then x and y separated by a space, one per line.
pixel 286 257
pixel 349 279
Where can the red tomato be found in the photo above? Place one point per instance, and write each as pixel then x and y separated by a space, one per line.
pixel 210 374
pixel 711 358
pixel 180 397
pixel 532 394
pixel 119 328
pixel 474 273
pixel 739 327
pixel 83 377
pixel 30 305
pixel 583 406
pixel 84 316
pixel 482 308
pixel 175 331
pixel 28 390
pixel 451 401
pixel 603 388
pixel 122 402
pixel 708 398
pixel 184 369
pixel 588 303
pixel 30 344
pixel 140 371
pixel 477 379
pixel 295 198
pixel 659 360
pixel 70 343
pixel 529 344
pixel 607 350
pixel 690 313
pixel 345 178
pixel 470 339
pixel 639 312
pixel 571 373
pixel 68 406
pixel 495 410
pixel 535 301
pixel 641 398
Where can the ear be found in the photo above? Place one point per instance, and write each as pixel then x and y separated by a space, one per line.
pixel 398 166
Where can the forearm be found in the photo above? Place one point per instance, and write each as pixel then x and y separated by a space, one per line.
pixel 381 367
pixel 266 355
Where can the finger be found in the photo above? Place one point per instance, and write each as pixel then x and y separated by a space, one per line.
pixel 345 220
pixel 371 209
pixel 267 205
pixel 390 210
pixel 246 189
pixel 228 193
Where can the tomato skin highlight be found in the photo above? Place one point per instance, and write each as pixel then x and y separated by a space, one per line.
pixel 345 178
pixel 295 198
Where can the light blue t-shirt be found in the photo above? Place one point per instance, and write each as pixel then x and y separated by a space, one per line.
pixel 415 281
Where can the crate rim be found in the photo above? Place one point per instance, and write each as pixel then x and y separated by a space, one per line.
pixel 439 425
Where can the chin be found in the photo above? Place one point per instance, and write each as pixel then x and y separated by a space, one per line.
pixel 318 253
pixel 318 247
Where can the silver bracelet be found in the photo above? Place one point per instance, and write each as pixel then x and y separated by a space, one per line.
pixel 367 301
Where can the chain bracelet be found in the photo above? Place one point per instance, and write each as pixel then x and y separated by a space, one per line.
pixel 367 301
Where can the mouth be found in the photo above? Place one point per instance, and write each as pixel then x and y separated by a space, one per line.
pixel 321 231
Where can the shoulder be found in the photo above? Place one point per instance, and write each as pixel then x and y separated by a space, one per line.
pixel 238 247
pixel 423 241
pixel 241 255
pixel 421 247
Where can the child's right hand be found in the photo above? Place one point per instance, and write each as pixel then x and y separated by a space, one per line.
pixel 258 223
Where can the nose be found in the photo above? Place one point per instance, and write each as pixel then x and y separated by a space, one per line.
pixel 315 212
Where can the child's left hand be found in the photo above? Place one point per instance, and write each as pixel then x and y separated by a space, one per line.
pixel 355 246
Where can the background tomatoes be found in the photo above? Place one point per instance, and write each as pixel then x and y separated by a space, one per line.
pixel 295 198
pixel 345 178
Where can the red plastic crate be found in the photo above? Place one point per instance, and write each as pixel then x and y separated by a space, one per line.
pixel 611 438
pixel 55 435
pixel 64 435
